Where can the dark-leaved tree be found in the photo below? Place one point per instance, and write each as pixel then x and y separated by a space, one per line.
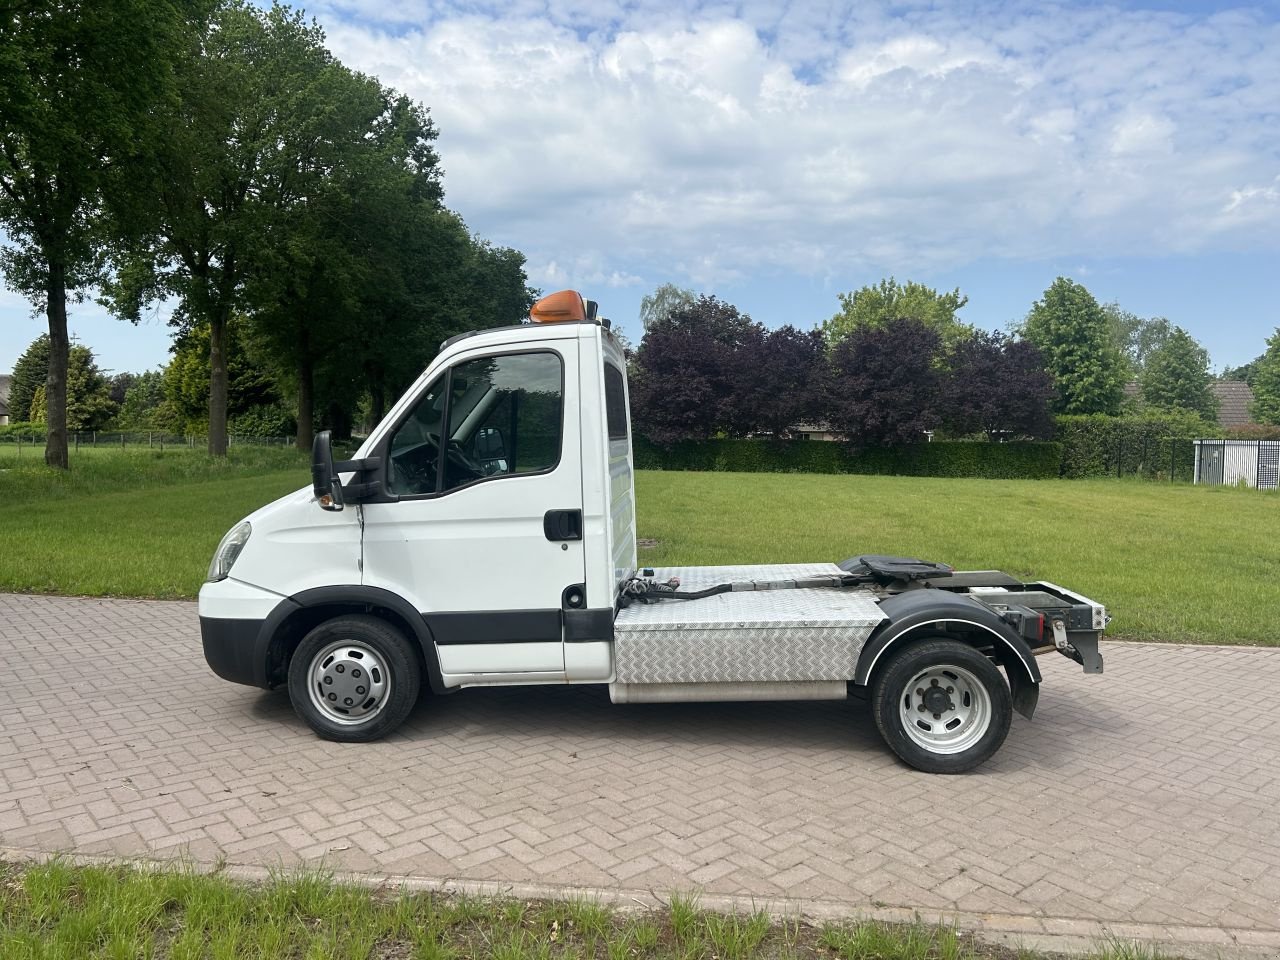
pixel 997 385
pixel 883 388
pixel 684 383
pixel 779 379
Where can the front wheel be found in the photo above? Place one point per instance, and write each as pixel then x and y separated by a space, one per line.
pixel 354 679
pixel 942 706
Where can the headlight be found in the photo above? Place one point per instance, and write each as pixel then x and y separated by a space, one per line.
pixel 228 550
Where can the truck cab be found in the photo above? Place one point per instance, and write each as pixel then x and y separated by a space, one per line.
pixel 485 534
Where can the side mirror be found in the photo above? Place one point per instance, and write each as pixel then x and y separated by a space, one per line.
pixel 324 480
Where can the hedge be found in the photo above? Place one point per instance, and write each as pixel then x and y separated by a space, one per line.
pixel 1096 445
pixel 942 458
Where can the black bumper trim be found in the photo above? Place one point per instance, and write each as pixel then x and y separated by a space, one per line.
pixel 235 649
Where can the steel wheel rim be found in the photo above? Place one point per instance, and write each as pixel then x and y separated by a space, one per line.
pixel 956 712
pixel 348 682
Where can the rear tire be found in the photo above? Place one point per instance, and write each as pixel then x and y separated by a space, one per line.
pixel 354 679
pixel 942 706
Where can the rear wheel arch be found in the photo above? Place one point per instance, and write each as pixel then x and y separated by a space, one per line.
pixel 952 618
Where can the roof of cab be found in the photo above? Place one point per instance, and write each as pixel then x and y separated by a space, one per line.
pixel 538 330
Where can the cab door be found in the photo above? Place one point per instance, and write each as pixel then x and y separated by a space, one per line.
pixel 483 531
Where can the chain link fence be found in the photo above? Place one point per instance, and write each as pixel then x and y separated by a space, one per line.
pixel 20 443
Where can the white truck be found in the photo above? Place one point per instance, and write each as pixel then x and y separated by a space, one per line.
pixel 484 534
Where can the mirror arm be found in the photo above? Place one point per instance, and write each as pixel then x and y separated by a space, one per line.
pixel 362 488
pixel 357 466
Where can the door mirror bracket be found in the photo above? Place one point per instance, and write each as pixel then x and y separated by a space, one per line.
pixel 327 484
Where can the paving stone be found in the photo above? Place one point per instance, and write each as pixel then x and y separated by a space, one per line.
pixel 1114 805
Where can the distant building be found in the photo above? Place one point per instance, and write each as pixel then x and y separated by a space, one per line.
pixel 4 398
pixel 813 431
pixel 1234 400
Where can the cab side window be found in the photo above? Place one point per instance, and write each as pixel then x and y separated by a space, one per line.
pixel 413 467
pixel 510 417
pixel 615 402
pixel 503 416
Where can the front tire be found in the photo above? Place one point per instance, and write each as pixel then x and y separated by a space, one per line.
pixel 942 706
pixel 354 679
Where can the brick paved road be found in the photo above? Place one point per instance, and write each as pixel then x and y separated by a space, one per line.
pixel 1150 794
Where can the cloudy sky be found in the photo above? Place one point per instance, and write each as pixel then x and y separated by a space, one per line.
pixel 776 154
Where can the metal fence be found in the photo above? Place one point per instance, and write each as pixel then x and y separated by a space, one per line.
pixel 21 442
pixel 1167 458
pixel 1251 463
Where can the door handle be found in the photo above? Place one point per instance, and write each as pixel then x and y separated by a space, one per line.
pixel 562 524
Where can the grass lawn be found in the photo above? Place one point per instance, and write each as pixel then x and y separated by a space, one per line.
pixel 57 911
pixel 1176 563
pixel 132 523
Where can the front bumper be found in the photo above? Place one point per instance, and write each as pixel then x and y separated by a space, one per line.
pixel 236 649
pixel 235 630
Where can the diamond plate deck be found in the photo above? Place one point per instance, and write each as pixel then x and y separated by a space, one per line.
pixel 759 633
pixel 762 576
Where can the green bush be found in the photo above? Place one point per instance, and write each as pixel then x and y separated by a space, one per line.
pixel 943 458
pixel 265 420
pixel 1253 431
pixel 24 429
pixel 1096 445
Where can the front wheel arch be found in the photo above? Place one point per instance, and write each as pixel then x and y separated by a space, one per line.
pixel 296 616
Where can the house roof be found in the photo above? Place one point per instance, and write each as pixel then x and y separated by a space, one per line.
pixel 1234 400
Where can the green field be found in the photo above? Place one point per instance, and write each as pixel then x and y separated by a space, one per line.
pixel 60 912
pixel 1176 563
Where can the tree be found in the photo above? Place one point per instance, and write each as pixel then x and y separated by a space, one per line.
pixel 1245 372
pixel 1266 383
pixel 1177 377
pixel 879 305
pixel 1134 337
pixel 143 405
pixel 118 386
pixel 1071 331
pixel 663 302
pixel 884 383
pixel 997 385
pixel 371 164
pixel 251 386
pixel 29 375
pixel 779 380
pixel 240 148
pixel 685 385
pixel 80 78
pixel 88 402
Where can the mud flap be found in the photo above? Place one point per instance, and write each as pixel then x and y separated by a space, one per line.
pixel 1082 647
pixel 1024 691
pixel 1086 647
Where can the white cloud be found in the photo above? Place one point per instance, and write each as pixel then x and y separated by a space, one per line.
pixel 634 143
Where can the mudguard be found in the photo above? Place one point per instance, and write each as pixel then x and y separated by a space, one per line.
pixel 913 611
pixel 361 595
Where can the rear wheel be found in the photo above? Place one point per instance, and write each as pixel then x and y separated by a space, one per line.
pixel 942 706
pixel 354 679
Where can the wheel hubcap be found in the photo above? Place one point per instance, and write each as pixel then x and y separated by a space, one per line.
pixel 945 709
pixel 348 682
